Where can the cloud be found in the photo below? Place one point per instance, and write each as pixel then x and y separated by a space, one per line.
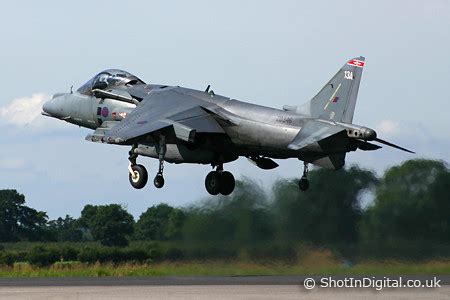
pixel 24 111
pixel 388 128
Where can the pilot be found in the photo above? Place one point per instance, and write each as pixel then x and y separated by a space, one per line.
pixel 109 79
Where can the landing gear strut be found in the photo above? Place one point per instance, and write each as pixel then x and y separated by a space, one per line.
pixel 303 184
pixel 220 181
pixel 159 178
pixel 138 174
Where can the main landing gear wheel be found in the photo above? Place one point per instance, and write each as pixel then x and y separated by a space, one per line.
pixel 227 183
pixel 220 182
pixel 303 184
pixel 139 177
pixel 213 182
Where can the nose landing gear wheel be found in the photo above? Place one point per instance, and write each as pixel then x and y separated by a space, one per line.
pixel 139 177
pixel 159 181
pixel 227 183
pixel 213 182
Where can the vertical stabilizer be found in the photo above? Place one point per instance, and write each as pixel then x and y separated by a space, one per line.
pixel 337 99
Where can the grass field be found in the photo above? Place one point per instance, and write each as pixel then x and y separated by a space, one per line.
pixel 317 263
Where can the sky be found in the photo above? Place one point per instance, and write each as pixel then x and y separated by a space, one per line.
pixel 272 53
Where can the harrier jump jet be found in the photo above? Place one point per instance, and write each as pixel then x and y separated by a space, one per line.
pixel 181 125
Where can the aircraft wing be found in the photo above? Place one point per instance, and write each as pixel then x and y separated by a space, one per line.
pixel 314 131
pixel 165 109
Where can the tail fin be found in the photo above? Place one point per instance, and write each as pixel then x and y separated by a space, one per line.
pixel 337 99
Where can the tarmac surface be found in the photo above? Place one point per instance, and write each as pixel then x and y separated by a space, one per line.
pixel 184 280
pixel 205 287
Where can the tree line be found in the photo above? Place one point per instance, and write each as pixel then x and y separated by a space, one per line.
pixel 408 215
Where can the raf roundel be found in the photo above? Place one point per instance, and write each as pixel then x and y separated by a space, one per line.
pixel 356 63
pixel 105 112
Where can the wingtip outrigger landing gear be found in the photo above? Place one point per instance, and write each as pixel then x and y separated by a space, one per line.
pixel 138 173
pixel 159 178
pixel 220 182
pixel 303 183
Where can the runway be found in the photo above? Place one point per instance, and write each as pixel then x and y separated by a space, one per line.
pixel 241 287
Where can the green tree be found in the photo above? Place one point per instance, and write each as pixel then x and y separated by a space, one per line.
pixel 160 222
pixel 175 224
pixel 243 216
pixel 329 212
pixel 65 229
pixel 412 203
pixel 87 214
pixel 18 221
pixel 108 224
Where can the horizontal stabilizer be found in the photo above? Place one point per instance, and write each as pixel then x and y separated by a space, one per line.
pixel 366 146
pixel 334 161
pixel 314 131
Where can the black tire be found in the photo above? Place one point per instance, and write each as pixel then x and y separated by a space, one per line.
pixel 303 184
pixel 158 181
pixel 139 180
pixel 213 182
pixel 227 183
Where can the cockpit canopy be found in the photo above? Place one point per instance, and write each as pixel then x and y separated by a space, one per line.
pixel 109 79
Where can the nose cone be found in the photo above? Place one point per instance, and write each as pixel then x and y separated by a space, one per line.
pixel 50 108
pixel 47 107
pixel 54 107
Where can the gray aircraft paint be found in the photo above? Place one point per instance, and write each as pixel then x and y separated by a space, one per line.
pixel 202 127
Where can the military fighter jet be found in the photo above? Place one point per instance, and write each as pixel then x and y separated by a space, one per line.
pixel 181 125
